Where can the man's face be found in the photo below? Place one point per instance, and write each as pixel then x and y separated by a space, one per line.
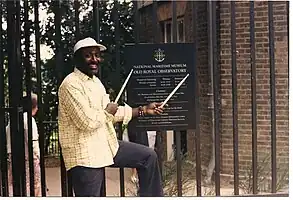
pixel 92 59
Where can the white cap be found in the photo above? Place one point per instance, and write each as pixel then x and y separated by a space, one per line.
pixel 88 42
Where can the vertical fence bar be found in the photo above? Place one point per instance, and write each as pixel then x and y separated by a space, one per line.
pixel 197 103
pixel 179 163
pixel 3 142
pixel 59 62
pixel 58 50
pixel 234 99
pixel 159 146
pixel 18 94
pixel 13 87
pixel 96 27
pixel 28 95
pixel 2 110
pixel 214 62
pixel 96 20
pixel 287 10
pixel 117 61
pixel 253 99
pixel 273 95
pixel 210 94
pixel 136 23
pixel 40 98
pixel 177 132
pixel 76 19
pixel 64 184
pixel 117 42
pixel 156 40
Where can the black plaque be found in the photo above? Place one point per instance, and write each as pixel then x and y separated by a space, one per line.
pixel 158 69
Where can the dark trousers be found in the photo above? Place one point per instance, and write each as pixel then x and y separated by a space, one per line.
pixel 87 182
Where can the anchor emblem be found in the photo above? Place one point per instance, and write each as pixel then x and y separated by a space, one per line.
pixel 159 55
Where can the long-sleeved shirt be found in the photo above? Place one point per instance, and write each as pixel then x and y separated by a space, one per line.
pixel 86 132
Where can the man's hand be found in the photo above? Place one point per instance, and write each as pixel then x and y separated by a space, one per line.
pixel 153 109
pixel 112 108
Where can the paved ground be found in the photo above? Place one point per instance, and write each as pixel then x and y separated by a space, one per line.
pixel 112 181
pixel 53 177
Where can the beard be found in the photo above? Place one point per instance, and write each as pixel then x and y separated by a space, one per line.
pixel 89 68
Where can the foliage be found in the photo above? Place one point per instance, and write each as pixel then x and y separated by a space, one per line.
pixel 51 70
pixel 263 171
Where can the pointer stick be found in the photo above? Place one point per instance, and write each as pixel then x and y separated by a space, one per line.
pixel 172 93
pixel 123 87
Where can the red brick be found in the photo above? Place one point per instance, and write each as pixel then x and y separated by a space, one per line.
pixel 243 77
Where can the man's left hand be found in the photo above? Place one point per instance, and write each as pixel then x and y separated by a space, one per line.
pixel 154 109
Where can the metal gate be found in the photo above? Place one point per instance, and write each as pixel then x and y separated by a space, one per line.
pixel 21 62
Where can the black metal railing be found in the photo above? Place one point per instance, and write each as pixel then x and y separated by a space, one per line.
pixel 51 146
pixel 15 57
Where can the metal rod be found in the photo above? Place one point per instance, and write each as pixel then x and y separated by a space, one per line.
pixel 234 99
pixel 76 19
pixel 136 23
pixel 287 9
pixel 59 62
pixel 19 90
pixel 3 141
pixel 121 170
pixel 96 25
pixel 58 49
pixel 177 133
pixel 40 99
pixel 96 21
pixel 253 99
pixel 117 42
pixel 13 88
pixel 28 92
pixel 197 103
pixel 213 23
pixel 117 61
pixel 64 183
pixel 212 162
pixel 178 163
pixel 273 96
pixel 156 39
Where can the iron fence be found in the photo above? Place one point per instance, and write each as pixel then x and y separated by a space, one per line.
pixel 17 12
pixel 51 145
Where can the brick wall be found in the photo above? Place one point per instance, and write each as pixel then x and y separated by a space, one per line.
pixel 146 35
pixel 262 81
pixel 203 82
pixel 244 83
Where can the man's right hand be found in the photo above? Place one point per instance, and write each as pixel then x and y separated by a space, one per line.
pixel 112 108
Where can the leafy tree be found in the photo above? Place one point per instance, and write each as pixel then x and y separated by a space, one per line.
pixel 50 69
pixel 5 47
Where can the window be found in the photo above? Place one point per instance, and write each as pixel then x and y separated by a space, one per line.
pixel 167 33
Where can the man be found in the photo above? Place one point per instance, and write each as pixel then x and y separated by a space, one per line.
pixel 87 135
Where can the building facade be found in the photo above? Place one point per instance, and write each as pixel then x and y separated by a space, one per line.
pixel 185 33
